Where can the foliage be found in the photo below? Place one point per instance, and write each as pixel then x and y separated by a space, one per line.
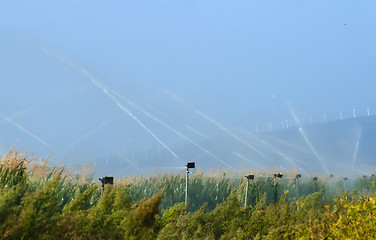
pixel 54 205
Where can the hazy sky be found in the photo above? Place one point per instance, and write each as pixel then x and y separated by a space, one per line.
pixel 238 62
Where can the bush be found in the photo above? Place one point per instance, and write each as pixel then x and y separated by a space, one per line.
pixel 54 205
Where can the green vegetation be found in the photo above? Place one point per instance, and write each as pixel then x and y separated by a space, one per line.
pixel 39 202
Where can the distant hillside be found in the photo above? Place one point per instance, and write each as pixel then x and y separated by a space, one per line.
pixel 347 145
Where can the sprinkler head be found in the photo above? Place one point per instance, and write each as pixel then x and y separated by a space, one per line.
pixel 107 180
pixel 345 178
pixel 278 175
pixel 331 176
pixel 298 175
pixel 190 165
pixel 314 179
pixel 364 176
pixel 250 177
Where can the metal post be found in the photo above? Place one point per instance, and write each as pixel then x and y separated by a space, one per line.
pixel 275 190
pixel 298 176
pixel 315 184
pixel 106 180
pixel 186 186
pixel 344 183
pixel 190 165
pixel 246 194
pixel 297 188
pixel 331 182
pixel 275 187
pixel 248 177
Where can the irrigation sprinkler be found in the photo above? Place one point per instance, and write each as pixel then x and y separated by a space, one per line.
pixel 315 183
pixel 298 176
pixel 249 177
pixel 275 185
pixel 344 182
pixel 190 165
pixel 278 175
pixel 331 176
pixel 106 180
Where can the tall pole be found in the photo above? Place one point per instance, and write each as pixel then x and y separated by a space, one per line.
pixel 297 188
pixel 315 183
pixel 330 182
pixel 344 183
pixel 298 176
pixel 186 186
pixel 275 190
pixel 192 166
pixel 246 194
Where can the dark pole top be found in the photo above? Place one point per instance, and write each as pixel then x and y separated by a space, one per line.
pixel 107 180
pixel 278 175
pixel 190 165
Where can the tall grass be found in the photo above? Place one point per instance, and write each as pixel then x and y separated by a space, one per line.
pixel 38 201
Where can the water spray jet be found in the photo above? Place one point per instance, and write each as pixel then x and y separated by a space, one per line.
pixel 304 135
pixel 356 150
pixel 173 130
pixel 24 130
pixel 110 96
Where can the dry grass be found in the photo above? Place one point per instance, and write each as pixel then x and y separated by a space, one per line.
pixel 84 174
pixel 15 157
pixel 36 168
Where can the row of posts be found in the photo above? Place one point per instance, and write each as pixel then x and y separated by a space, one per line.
pixel 275 184
pixel 190 166
pixel 276 177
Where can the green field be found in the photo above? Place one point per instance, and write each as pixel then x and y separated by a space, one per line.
pixel 39 201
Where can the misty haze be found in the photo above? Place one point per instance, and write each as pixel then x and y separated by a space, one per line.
pixel 139 87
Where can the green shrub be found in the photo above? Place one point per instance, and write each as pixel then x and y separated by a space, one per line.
pixel 54 205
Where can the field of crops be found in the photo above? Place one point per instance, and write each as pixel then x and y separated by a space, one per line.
pixel 38 201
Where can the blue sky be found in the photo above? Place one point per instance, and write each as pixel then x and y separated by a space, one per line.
pixel 238 62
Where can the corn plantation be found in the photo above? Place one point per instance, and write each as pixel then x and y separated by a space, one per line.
pixel 42 202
